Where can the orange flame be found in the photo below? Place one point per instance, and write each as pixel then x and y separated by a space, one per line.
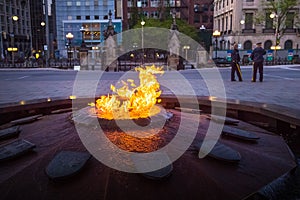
pixel 131 101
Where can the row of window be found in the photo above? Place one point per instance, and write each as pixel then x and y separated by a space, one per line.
pixel 153 3
pixel 87 3
pixel 221 4
pixel 248 45
pixel 224 22
pixel 203 18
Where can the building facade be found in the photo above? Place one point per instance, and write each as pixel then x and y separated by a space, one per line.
pixel 237 22
pixel 38 26
pixel 86 20
pixel 198 13
pixel 15 28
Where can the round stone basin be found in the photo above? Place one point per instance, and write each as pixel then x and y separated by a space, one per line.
pixel 262 161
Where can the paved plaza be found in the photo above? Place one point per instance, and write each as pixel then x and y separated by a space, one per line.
pixel 281 84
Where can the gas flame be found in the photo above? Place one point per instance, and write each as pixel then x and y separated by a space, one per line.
pixel 132 101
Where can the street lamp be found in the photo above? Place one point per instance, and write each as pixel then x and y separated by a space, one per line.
pixel 216 34
pixel 69 36
pixel 143 23
pixel 82 30
pixel 276 46
pixel 186 48
pixel 242 22
pixel 13 49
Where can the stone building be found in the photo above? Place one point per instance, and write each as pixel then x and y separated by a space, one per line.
pixel 15 29
pixel 236 20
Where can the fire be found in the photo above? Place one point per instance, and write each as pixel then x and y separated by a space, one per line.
pixel 132 101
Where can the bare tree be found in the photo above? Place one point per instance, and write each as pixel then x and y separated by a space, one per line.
pixel 284 15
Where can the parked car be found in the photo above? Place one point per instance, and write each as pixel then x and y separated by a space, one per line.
pixel 221 62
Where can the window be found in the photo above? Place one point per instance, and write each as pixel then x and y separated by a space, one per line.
pixel 97 17
pixel 289 22
pixel 146 14
pixel 230 22
pixel 87 3
pixel 69 17
pixel 96 3
pixel 172 3
pixel 78 3
pixel 268 44
pixel 154 14
pixel 288 44
pixel 129 3
pixel 154 3
pixel 78 17
pixel 204 19
pixel 248 45
pixel 87 17
pixel 197 18
pixel 269 21
pixel 142 3
pixel 249 21
pixel 223 25
pixel 249 0
pixel 69 3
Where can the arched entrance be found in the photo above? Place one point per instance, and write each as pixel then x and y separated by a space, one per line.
pixel 288 44
pixel 248 45
pixel 267 44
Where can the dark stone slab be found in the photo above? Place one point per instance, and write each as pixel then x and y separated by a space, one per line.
pixel 62 110
pixel 15 149
pixel 160 174
pixel 188 110
pixel 66 164
pixel 221 119
pixel 239 133
pixel 221 152
pixel 9 132
pixel 26 120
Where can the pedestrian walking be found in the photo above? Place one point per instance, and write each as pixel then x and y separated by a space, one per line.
pixel 257 56
pixel 235 66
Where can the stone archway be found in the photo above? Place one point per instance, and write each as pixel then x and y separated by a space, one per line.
pixel 248 45
pixel 288 44
pixel 267 44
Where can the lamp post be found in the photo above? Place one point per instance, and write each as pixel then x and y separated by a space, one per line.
pixel 186 48
pixel 276 46
pixel 143 23
pixel 242 22
pixel 13 49
pixel 216 34
pixel 69 36
pixel 82 30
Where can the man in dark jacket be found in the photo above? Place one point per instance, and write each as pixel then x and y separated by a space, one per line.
pixel 235 67
pixel 258 58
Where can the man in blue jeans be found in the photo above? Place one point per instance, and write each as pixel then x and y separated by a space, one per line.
pixel 258 58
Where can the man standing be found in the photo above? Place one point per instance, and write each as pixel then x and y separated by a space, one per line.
pixel 258 58
pixel 235 67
